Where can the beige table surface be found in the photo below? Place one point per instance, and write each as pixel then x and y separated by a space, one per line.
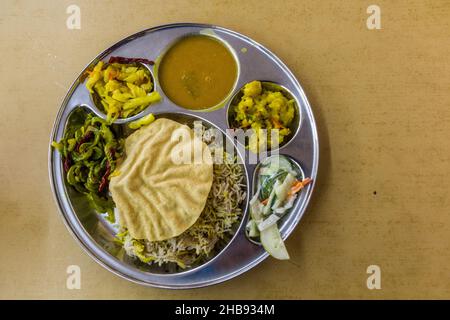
pixel 382 104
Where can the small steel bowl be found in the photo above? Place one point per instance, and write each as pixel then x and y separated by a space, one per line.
pixel 255 182
pixel 233 53
pixel 97 106
pixel 296 122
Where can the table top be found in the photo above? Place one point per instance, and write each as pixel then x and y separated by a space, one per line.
pixel 381 102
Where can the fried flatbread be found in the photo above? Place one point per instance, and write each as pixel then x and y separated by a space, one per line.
pixel 158 198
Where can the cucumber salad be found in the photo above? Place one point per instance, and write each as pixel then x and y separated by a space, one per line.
pixel 279 182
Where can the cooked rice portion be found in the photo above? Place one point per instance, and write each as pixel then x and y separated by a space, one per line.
pixel 221 212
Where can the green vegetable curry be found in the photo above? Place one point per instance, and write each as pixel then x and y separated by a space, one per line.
pixel 89 152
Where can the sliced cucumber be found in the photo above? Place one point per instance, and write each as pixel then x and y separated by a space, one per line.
pixel 267 223
pixel 268 183
pixel 267 168
pixel 282 190
pixel 263 177
pixel 279 162
pixel 284 163
pixel 273 244
pixel 256 208
pixel 281 211
pixel 275 163
pixel 252 229
pixel 272 199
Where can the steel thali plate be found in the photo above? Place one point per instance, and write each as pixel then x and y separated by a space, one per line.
pixel 255 63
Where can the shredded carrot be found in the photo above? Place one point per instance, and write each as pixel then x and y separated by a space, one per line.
pixel 264 202
pixel 299 185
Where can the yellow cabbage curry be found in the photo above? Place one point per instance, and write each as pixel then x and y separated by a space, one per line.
pixel 198 72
